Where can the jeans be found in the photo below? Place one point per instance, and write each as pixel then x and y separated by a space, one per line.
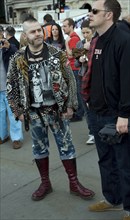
pixel 80 111
pixel 15 127
pixel 88 117
pixel 61 131
pixel 114 164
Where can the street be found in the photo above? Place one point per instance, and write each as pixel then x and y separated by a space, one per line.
pixel 20 177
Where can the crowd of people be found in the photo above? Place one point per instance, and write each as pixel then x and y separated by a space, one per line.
pixel 12 131
pixel 48 82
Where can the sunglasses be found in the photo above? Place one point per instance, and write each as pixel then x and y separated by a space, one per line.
pixel 96 11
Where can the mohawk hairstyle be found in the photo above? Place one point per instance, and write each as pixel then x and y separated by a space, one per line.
pixel 29 18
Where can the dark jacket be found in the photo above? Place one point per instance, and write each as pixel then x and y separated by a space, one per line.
pixel 115 70
pixel 6 54
pixel 124 25
pixel 115 67
pixel 14 41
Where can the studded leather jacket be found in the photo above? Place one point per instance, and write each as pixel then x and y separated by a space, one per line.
pixel 62 81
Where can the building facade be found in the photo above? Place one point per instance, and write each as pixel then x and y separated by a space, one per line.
pixel 2 12
pixel 15 10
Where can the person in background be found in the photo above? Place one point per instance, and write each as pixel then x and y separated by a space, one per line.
pixel 106 89
pixel 124 24
pixel 81 61
pixel 23 41
pixel 70 43
pixel 1 32
pixel 48 21
pixel 15 127
pixel 44 95
pixel 56 39
pixel 10 36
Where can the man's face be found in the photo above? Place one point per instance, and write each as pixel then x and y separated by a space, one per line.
pixel 98 14
pixel 66 27
pixel 34 34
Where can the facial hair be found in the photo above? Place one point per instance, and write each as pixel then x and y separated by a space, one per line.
pixel 33 45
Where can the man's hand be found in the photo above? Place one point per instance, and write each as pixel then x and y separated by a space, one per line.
pixel 21 118
pixel 68 114
pixel 122 125
pixel 87 45
pixel 5 44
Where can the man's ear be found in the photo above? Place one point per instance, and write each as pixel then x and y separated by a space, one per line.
pixel 109 15
pixel 24 35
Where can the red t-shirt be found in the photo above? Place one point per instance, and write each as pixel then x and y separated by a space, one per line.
pixel 72 44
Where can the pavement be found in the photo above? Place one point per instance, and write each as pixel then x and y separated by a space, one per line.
pixel 19 177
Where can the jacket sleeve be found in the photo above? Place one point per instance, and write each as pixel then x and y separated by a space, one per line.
pixel 72 101
pixel 124 104
pixel 13 91
pixel 7 53
pixel 78 46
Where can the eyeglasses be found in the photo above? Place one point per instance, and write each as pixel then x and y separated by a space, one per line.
pixel 96 11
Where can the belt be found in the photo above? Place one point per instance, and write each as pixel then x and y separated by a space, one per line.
pixel 45 108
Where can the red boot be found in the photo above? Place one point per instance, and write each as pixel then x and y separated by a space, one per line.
pixel 45 187
pixel 75 186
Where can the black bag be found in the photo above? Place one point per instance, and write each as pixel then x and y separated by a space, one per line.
pixel 109 134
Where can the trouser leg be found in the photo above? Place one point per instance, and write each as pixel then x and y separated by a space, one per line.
pixel 3 117
pixel 123 158
pixel 63 137
pixel 16 132
pixel 108 164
